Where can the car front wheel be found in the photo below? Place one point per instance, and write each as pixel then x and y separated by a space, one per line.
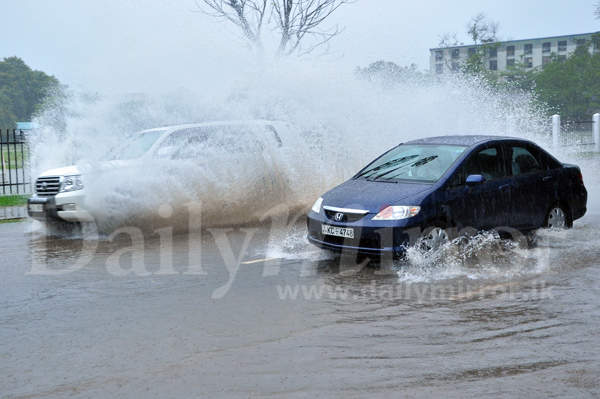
pixel 435 237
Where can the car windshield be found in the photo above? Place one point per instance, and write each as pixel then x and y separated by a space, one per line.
pixel 412 162
pixel 136 145
pixel 219 141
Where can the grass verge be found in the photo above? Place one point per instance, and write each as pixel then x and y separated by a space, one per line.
pixel 6 221
pixel 13 200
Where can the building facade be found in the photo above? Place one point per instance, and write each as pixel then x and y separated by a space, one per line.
pixel 500 55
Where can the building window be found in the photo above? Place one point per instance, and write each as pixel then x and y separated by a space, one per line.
pixel 562 45
pixel 562 58
pixel 528 62
pixel 510 62
pixel 493 65
pixel 493 52
pixel 472 51
pixel 439 68
pixel 546 60
pixel 546 46
pixel 580 42
pixel 455 53
pixel 439 55
pixel 510 51
pixel 528 48
pixel 455 67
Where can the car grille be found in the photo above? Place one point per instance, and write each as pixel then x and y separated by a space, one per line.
pixel 347 217
pixel 47 186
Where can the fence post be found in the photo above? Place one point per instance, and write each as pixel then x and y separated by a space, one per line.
pixel 555 131
pixel 596 130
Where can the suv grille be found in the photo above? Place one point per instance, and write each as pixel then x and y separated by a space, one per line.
pixel 47 186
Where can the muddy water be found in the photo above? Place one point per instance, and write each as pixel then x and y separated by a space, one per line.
pixel 495 320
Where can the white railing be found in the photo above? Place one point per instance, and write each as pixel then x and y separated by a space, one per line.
pixel 559 136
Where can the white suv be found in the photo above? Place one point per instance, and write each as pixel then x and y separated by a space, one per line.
pixel 60 194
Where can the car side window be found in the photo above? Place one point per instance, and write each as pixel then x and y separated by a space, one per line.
pixel 524 161
pixel 222 141
pixel 488 163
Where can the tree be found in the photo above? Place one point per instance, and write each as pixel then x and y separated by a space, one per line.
pixel 484 35
pixel 519 76
pixel 292 20
pixel 22 90
pixel 7 117
pixel 390 74
pixel 571 86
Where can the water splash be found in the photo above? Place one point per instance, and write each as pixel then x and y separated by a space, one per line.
pixel 338 122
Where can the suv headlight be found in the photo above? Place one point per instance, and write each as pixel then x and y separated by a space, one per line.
pixel 397 212
pixel 317 206
pixel 71 183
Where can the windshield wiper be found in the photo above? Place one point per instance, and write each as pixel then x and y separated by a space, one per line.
pixel 387 164
pixel 424 161
pixel 420 162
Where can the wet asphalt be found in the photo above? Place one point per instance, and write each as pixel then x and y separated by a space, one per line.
pixel 248 312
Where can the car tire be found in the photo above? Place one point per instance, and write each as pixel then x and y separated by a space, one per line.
pixel 435 236
pixel 558 217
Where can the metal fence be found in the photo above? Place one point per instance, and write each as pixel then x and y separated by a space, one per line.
pixel 14 171
pixel 576 132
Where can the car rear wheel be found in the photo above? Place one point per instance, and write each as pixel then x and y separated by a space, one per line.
pixel 435 237
pixel 558 217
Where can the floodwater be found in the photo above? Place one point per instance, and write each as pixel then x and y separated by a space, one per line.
pixel 250 312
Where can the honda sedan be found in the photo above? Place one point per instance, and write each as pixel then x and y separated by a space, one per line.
pixel 433 189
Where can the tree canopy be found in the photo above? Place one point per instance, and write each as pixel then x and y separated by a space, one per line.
pixel 22 91
pixel 572 86
pixel 390 74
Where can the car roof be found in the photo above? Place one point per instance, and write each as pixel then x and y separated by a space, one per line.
pixel 217 123
pixel 466 140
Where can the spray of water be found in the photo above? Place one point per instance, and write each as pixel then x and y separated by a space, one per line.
pixel 338 121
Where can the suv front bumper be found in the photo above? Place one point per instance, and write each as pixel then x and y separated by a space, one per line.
pixel 67 207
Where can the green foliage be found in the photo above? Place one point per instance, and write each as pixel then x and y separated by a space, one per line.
pixel 390 74
pixel 7 117
pixel 518 77
pixel 475 65
pixel 22 91
pixel 571 87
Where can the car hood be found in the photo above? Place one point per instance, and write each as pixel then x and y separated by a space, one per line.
pixel 64 171
pixel 370 195
pixel 89 169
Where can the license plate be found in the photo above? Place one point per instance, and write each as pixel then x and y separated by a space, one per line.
pixel 36 207
pixel 345 232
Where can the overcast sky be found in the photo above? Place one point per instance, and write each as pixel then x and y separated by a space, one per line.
pixel 148 45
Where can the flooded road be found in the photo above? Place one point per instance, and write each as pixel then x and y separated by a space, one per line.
pixel 239 313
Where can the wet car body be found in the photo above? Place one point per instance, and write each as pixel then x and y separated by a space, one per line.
pixel 493 183
pixel 62 195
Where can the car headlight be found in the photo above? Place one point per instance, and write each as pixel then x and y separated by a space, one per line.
pixel 397 212
pixel 71 183
pixel 317 206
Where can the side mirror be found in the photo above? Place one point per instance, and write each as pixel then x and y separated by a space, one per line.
pixel 474 180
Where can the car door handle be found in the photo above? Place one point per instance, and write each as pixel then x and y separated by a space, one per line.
pixel 504 188
pixel 547 178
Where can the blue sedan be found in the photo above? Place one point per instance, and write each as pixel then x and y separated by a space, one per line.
pixel 433 189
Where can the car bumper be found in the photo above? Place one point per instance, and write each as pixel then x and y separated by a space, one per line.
pixel 377 239
pixel 66 207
